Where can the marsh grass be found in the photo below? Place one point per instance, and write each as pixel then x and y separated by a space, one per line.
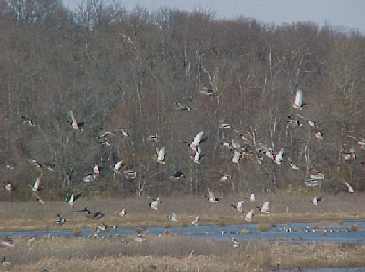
pixel 286 207
pixel 154 254
pixel 173 254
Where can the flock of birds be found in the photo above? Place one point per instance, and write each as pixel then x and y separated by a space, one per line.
pixel 250 149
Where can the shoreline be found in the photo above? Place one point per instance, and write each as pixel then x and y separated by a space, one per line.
pixel 185 220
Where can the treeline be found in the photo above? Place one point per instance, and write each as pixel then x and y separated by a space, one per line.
pixel 172 74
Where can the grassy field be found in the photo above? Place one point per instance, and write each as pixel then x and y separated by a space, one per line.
pixel 172 254
pixel 286 207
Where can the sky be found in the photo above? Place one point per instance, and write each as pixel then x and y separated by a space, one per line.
pixel 347 13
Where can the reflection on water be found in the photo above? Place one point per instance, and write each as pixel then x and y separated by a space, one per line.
pixel 347 232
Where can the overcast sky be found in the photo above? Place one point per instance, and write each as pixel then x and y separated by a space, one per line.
pixel 348 13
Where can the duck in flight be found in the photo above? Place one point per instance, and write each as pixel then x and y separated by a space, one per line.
pixel 60 220
pixel 74 123
pixel 161 154
pixel 211 197
pixel 177 175
pixel 154 204
pixel 298 100
pixel 238 206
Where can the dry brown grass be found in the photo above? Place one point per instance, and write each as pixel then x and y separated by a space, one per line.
pixel 154 254
pixel 286 207
pixel 172 254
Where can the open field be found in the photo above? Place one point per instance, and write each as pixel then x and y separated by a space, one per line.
pixel 286 207
pixel 173 254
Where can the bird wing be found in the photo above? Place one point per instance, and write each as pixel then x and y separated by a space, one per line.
pixel 279 156
pixel 349 187
pixel 248 216
pixel 235 144
pixel 198 138
pixel 118 165
pixel 197 154
pixel 211 195
pixel 74 121
pixel 265 207
pixel 298 102
pixel 36 184
pixel 252 197
pixel 236 156
pixel 71 113
pixel 161 154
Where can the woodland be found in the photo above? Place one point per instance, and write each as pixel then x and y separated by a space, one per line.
pixel 137 81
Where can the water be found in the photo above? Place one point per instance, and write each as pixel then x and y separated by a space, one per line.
pixel 332 269
pixel 351 231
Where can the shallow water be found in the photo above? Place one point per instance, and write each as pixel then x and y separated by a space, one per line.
pixel 332 269
pixel 350 231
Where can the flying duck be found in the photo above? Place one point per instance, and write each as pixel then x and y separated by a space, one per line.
pixel 172 217
pixel 130 174
pixel 123 212
pixel 350 189
pixel 225 177
pixel 279 156
pixel 312 182
pixel 211 197
pixel 298 101
pixel 122 131
pixel 350 155
pixel 117 166
pixel 238 206
pixel 75 125
pixel 207 91
pixel 316 200
pixel 177 175
pixel 89 178
pixel 27 121
pixel 235 243
pixel 249 216
pixel 9 187
pixel 265 207
pixel 10 166
pixel 197 140
pixel 105 134
pixel 96 170
pixel 153 138
pixel 195 222
pixel 60 220
pixel 223 125
pixel 35 163
pixel 161 154
pixel 294 122
pixel 197 155
pixel 36 186
pixel 49 166
pixel 292 165
pixel 252 197
pixel 71 198
pixel 154 204
pixel 92 215
pixel 38 198
pixel 236 156
pixel 6 242
pixel 139 238
pixel 319 135
pixel 182 107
